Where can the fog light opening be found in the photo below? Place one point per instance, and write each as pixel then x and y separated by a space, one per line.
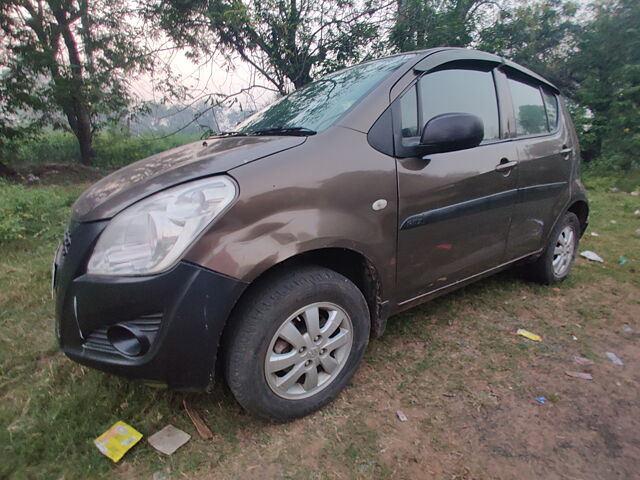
pixel 128 340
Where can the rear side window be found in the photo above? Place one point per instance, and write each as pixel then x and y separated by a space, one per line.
pixel 551 105
pixel 529 109
pixel 461 91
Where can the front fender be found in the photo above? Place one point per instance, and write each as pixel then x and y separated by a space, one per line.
pixel 309 198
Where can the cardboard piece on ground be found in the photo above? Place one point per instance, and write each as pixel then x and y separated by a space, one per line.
pixel 203 430
pixel 117 441
pixel 169 439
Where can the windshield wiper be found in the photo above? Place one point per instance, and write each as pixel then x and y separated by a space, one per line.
pixel 228 134
pixel 301 131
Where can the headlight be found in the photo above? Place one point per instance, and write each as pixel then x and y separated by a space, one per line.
pixel 151 235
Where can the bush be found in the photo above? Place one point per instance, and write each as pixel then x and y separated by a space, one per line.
pixel 114 148
pixel 32 212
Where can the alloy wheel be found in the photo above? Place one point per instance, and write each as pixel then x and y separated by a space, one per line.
pixel 308 351
pixel 564 251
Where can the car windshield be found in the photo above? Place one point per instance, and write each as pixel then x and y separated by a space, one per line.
pixel 318 105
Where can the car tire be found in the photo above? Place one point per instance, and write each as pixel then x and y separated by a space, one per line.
pixel 305 320
pixel 554 265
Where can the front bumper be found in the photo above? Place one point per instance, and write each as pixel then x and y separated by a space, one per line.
pixel 182 312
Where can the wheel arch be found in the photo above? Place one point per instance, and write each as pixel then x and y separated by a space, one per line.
pixel 580 209
pixel 350 263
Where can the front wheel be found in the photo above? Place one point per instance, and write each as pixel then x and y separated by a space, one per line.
pixel 554 265
pixel 295 341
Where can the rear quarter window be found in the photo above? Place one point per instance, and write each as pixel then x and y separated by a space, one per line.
pixel 529 109
pixel 551 105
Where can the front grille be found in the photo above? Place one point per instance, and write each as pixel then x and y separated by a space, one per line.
pixel 98 341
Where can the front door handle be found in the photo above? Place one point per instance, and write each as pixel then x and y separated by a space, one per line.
pixel 505 165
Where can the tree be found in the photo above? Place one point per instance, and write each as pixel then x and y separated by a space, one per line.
pixel 287 41
pixel 606 65
pixel 434 23
pixel 537 35
pixel 68 63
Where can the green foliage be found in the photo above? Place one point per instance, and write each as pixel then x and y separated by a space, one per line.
pixel 536 35
pixel 607 68
pixel 28 213
pixel 431 23
pixel 114 148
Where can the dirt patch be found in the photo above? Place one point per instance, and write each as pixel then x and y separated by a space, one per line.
pixel 469 415
pixel 587 429
pixel 59 174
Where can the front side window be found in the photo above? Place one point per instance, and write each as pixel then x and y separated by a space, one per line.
pixel 528 106
pixel 461 91
pixel 318 105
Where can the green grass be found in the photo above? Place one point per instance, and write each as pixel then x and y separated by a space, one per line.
pixel 51 409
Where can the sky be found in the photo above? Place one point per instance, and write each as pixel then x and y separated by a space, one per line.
pixel 211 76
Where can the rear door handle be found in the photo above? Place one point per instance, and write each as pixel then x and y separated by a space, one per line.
pixel 565 152
pixel 505 165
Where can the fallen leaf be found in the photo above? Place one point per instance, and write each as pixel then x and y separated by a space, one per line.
pixel 203 430
pixel 583 375
pixel 582 360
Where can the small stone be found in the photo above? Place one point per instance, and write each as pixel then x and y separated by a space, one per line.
pixel 162 474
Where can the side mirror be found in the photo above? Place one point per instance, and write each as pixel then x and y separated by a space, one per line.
pixel 449 132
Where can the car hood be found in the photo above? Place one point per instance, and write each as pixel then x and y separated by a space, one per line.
pixel 134 182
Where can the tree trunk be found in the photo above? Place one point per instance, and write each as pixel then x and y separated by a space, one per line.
pixel 85 140
pixel 78 115
pixel 7 172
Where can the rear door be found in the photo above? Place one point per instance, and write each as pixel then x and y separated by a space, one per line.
pixel 544 148
pixel 454 208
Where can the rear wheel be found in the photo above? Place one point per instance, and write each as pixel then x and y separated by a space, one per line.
pixel 295 341
pixel 554 265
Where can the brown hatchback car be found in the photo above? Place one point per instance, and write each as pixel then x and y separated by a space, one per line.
pixel 272 254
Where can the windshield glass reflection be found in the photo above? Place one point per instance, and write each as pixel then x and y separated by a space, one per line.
pixel 318 105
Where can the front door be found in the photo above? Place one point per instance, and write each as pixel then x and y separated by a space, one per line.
pixel 454 208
